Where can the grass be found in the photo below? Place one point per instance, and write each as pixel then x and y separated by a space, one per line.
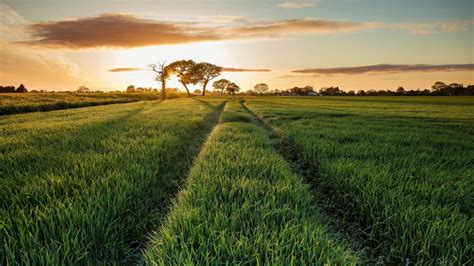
pixel 397 169
pixel 280 180
pixel 242 204
pixel 12 103
pixel 85 186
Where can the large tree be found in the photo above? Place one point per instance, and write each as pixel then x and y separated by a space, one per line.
pixel 221 85
pixel 205 72
pixel 261 88
pixel 232 88
pixel 163 74
pixel 21 89
pixel 186 72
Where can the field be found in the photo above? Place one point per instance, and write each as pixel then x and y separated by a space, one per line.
pixel 13 103
pixel 255 180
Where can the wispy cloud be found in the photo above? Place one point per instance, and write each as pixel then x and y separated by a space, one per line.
pixel 125 69
pixel 387 68
pixel 231 69
pixel 102 31
pixel 295 4
pixel 222 19
pixel 435 27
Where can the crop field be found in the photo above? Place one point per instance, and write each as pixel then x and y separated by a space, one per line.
pixel 240 180
pixel 401 169
pixel 13 103
pixel 86 185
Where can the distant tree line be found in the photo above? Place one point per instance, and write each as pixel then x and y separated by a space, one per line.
pixel 438 89
pixel 222 86
pixel 12 89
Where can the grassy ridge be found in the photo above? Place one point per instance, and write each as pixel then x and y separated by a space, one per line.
pixel 242 204
pixel 401 169
pixel 13 103
pixel 84 186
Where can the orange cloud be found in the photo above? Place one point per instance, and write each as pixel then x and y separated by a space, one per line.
pixel 115 30
pixel 387 68
pixel 125 69
pixel 126 31
pixel 231 69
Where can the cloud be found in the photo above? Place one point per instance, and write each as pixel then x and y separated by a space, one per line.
pixel 295 4
pixel 127 31
pixel 116 30
pixel 435 27
pixel 231 69
pixel 300 26
pixel 124 69
pixel 387 68
pixel 222 19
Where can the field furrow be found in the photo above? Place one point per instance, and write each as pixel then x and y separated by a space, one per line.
pixel 85 186
pixel 397 173
pixel 243 204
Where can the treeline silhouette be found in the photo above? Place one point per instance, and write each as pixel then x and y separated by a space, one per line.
pixel 12 89
pixel 438 89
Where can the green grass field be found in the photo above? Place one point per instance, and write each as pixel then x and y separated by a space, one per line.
pixel 87 185
pixel 13 103
pixel 401 168
pixel 253 180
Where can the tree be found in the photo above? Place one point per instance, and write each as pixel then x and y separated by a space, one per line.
pixel 7 88
pixel 439 86
pixel 205 72
pixel 21 89
pixel 221 85
pixel 261 88
pixel 197 91
pixel 185 70
pixel 400 90
pixel 83 89
pixel 131 88
pixel 163 74
pixel 232 88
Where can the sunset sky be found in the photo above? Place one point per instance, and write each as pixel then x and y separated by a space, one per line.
pixel 353 44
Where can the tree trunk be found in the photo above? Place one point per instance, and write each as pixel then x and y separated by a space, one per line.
pixel 187 90
pixel 204 87
pixel 163 90
pixel 222 91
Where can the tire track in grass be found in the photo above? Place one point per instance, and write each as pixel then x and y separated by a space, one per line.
pixel 373 202
pixel 242 204
pixel 299 166
pixel 99 207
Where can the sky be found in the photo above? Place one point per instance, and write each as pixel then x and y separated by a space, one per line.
pixel 354 44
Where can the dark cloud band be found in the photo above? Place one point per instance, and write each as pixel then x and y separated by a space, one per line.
pixel 231 69
pixel 124 69
pixel 387 68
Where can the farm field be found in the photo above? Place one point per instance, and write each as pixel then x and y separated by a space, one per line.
pixel 85 186
pixel 256 180
pixel 12 103
pixel 397 170
pixel 242 204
